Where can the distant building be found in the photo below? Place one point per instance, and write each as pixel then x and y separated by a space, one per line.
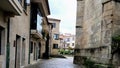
pixel 67 41
pixel 54 48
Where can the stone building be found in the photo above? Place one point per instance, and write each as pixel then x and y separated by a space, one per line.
pixel 54 48
pixel 14 40
pixel 39 29
pixel 18 31
pixel 97 23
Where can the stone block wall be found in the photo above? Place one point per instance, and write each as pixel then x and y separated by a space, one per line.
pixel 79 24
pixel 99 21
pixel 19 25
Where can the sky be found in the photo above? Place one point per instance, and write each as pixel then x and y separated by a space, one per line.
pixel 65 10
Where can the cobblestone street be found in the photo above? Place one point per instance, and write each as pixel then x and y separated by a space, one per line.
pixel 55 63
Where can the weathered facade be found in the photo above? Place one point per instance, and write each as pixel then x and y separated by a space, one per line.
pixel 20 28
pixel 97 22
pixel 54 48
pixel 14 40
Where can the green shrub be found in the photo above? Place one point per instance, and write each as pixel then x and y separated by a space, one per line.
pixel 62 51
pixel 111 66
pixel 89 63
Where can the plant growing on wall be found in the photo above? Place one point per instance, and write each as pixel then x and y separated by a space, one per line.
pixel 115 47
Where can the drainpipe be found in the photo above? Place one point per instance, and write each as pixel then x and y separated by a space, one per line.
pixel 8 44
pixel 29 45
pixel 29 37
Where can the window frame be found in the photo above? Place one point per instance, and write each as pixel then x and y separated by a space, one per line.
pixel 55 46
pixel 25 5
pixel 54 25
pixel 68 39
pixel 56 36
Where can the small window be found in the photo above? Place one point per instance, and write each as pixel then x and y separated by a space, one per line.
pixel 55 46
pixel 68 39
pixel 20 1
pixel 68 45
pixel 25 4
pixel 54 25
pixel 56 36
pixel 72 44
pixel 73 38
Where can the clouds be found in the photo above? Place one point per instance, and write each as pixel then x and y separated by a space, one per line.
pixel 66 11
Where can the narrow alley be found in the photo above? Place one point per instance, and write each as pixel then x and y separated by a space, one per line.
pixel 55 63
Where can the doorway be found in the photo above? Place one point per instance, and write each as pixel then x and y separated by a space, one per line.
pixel 17 51
pixel 23 52
pixel 39 51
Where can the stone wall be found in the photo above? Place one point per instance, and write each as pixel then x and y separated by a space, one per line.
pixel 99 21
pixel 116 28
pixel 3 24
pixel 79 24
pixel 19 25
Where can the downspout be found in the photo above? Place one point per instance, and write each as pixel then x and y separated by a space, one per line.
pixel 29 47
pixel 29 38
pixel 8 44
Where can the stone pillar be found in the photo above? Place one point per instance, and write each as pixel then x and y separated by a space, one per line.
pixel 79 30
pixel 46 54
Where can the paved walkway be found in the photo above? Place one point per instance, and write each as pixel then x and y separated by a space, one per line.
pixel 55 63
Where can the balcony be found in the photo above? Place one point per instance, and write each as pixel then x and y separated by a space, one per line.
pixel 36 34
pixel 11 6
pixel 43 6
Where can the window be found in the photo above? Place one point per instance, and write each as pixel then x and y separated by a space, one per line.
pixel 33 14
pixel 68 45
pixel 72 44
pixel 73 38
pixel 68 39
pixel 25 4
pixel 54 25
pixel 55 46
pixel 56 36
pixel 20 1
pixel 39 23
